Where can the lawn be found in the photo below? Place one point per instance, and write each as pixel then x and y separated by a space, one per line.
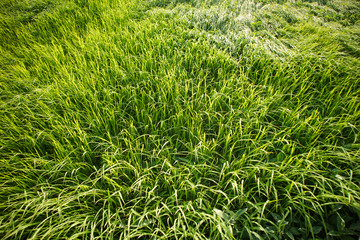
pixel 179 119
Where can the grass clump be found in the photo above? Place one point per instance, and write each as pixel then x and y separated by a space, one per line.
pixel 179 120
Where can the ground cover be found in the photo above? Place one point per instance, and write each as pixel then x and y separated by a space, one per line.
pixel 160 119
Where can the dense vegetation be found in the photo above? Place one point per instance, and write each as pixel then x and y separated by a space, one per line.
pixel 179 119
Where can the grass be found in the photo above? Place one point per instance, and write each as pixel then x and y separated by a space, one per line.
pixel 174 119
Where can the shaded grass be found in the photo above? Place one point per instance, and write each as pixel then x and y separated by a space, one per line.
pixel 179 120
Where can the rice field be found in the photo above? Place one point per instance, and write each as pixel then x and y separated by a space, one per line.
pixel 179 119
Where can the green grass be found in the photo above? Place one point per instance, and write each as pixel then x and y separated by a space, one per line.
pixel 175 119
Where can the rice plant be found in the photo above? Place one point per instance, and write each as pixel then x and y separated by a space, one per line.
pixel 174 119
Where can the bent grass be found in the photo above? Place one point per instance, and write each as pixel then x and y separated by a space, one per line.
pixel 179 120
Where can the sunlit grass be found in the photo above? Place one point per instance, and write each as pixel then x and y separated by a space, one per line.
pixel 179 119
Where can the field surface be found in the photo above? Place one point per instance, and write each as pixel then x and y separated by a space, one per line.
pixel 179 119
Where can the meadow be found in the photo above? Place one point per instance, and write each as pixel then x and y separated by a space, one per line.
pixel 179 119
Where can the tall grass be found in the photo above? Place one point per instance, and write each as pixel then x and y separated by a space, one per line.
pixel 179 119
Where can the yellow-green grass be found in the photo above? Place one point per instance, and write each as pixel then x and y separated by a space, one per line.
pixel 170 119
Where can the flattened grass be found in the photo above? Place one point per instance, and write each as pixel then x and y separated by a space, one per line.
pixel 179 120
